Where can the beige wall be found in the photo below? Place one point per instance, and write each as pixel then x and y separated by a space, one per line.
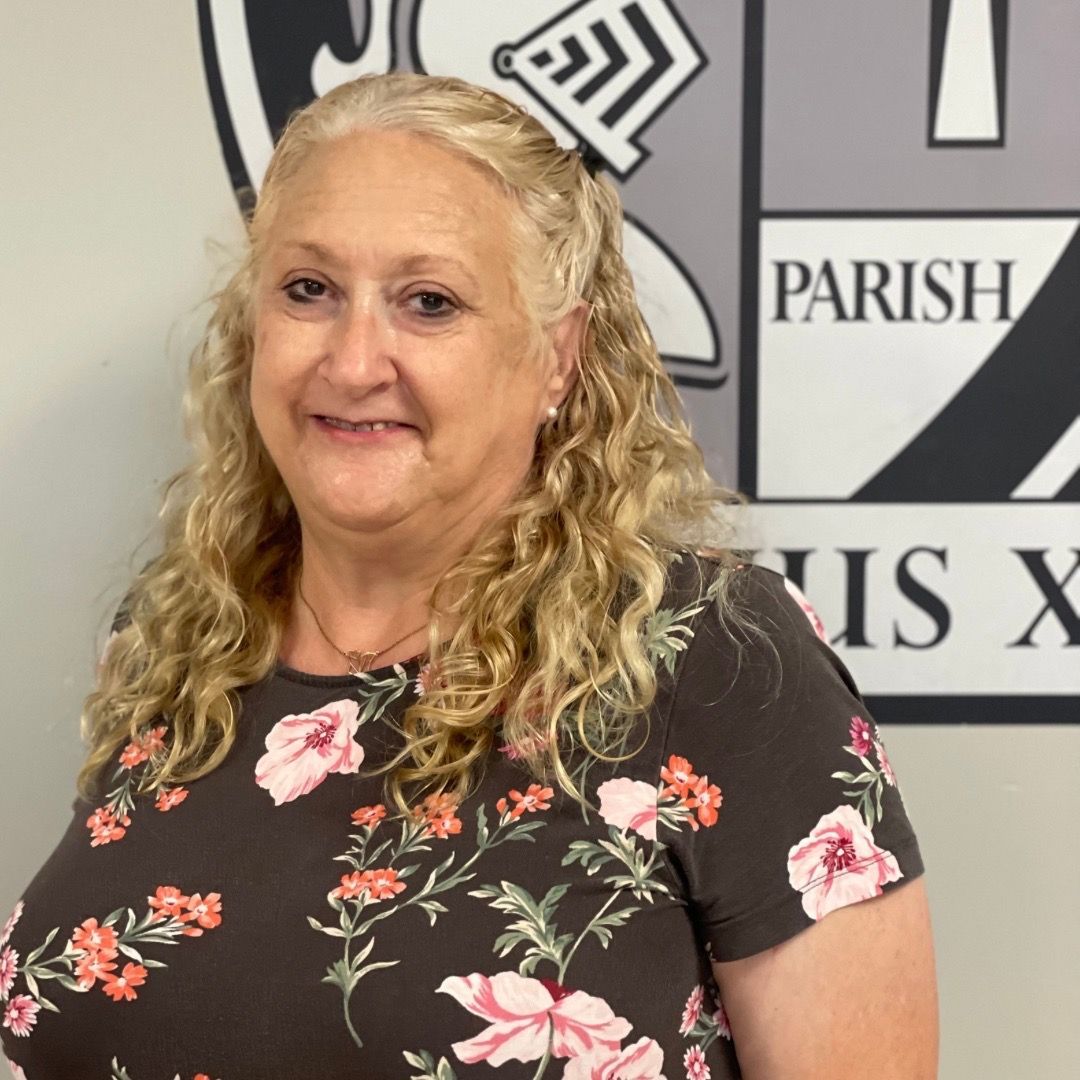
pixel 114 187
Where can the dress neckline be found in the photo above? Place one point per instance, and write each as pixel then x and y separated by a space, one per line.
pixel 283 671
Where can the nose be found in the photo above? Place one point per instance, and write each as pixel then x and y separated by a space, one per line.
pixel 361 347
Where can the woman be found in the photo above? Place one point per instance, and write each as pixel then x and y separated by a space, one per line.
pixel 429 724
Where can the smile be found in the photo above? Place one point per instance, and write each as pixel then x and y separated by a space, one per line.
pixel 345 425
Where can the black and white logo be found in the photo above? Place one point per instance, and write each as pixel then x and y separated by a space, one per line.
pixel 873 207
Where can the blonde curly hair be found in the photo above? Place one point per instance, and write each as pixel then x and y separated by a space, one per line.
pixel 550 643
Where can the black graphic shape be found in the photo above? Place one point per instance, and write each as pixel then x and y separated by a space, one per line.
pixel 514 60
pixel 283 43
pixel 1002 422
pixel 617 60
pixel 578 59
pixel 660 59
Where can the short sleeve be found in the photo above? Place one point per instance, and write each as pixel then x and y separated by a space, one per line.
pixel 777 800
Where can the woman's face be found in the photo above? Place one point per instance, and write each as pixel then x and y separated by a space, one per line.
pixel 384 294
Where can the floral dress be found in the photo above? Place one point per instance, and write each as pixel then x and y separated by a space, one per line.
pixel 274 919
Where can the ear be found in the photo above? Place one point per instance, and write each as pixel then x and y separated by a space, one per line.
pixel 567 346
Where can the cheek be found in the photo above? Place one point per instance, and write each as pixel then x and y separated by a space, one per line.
pixel 274 375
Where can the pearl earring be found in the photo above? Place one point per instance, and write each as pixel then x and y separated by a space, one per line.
pixel 552 412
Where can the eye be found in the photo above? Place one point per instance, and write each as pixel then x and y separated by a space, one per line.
pixel 305 285
pixel 438 313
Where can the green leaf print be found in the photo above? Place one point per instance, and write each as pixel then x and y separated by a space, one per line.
pixel 534 925
pixel 369 886
pixel 667 633
pixel 431 1071
pixel 620 848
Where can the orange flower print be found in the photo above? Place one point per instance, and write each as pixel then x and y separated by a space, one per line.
pixel 440 813
pixel 369 815
pixel 534 799
pixel 90 937
pixel 351 886
pixel 378 884
pixel 682 792
pixel 133 755
pixel 170 797
pixel 122 987
pixel 140 749
pixel 444 827
pixel 706 799
pixel 384 884
pixel 98 945
pixel 168 902
pixel 206 913
pixel 105 826
pixel 94 966
pixel 678 776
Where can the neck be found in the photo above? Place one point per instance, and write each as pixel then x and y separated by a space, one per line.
pixel 363 603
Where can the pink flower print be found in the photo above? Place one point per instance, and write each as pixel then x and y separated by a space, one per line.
pixel 302 749
pixel 641 1061
pixel 20 1014
pixel 16 1070
pixel 533 745
pixel 692 1010
pixel 629 804
pixel 720 1019
pixel 424 679
pixel 839 864
pixel 860 736
pixel 9 967
pixel 883 761
pixel 10 921
pixel 797 595
pixel 523 1011
pixel 694 1063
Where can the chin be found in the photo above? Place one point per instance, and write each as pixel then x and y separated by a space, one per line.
pixel 369 517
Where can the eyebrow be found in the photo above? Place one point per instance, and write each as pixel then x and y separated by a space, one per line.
pixel 406 264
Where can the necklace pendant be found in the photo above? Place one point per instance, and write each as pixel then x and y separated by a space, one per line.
pixel 359 662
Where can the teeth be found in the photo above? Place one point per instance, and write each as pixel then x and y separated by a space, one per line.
pixel 381 425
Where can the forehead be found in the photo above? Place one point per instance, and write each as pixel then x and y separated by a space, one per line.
pixel 378 193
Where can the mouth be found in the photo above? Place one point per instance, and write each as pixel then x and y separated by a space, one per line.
pixel 367 425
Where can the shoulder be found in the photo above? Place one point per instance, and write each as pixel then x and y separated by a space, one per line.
pixel 754 642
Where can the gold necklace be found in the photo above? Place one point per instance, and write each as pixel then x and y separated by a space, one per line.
pixel 358 661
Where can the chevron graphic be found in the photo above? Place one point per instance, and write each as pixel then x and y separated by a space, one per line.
pixel 606 69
